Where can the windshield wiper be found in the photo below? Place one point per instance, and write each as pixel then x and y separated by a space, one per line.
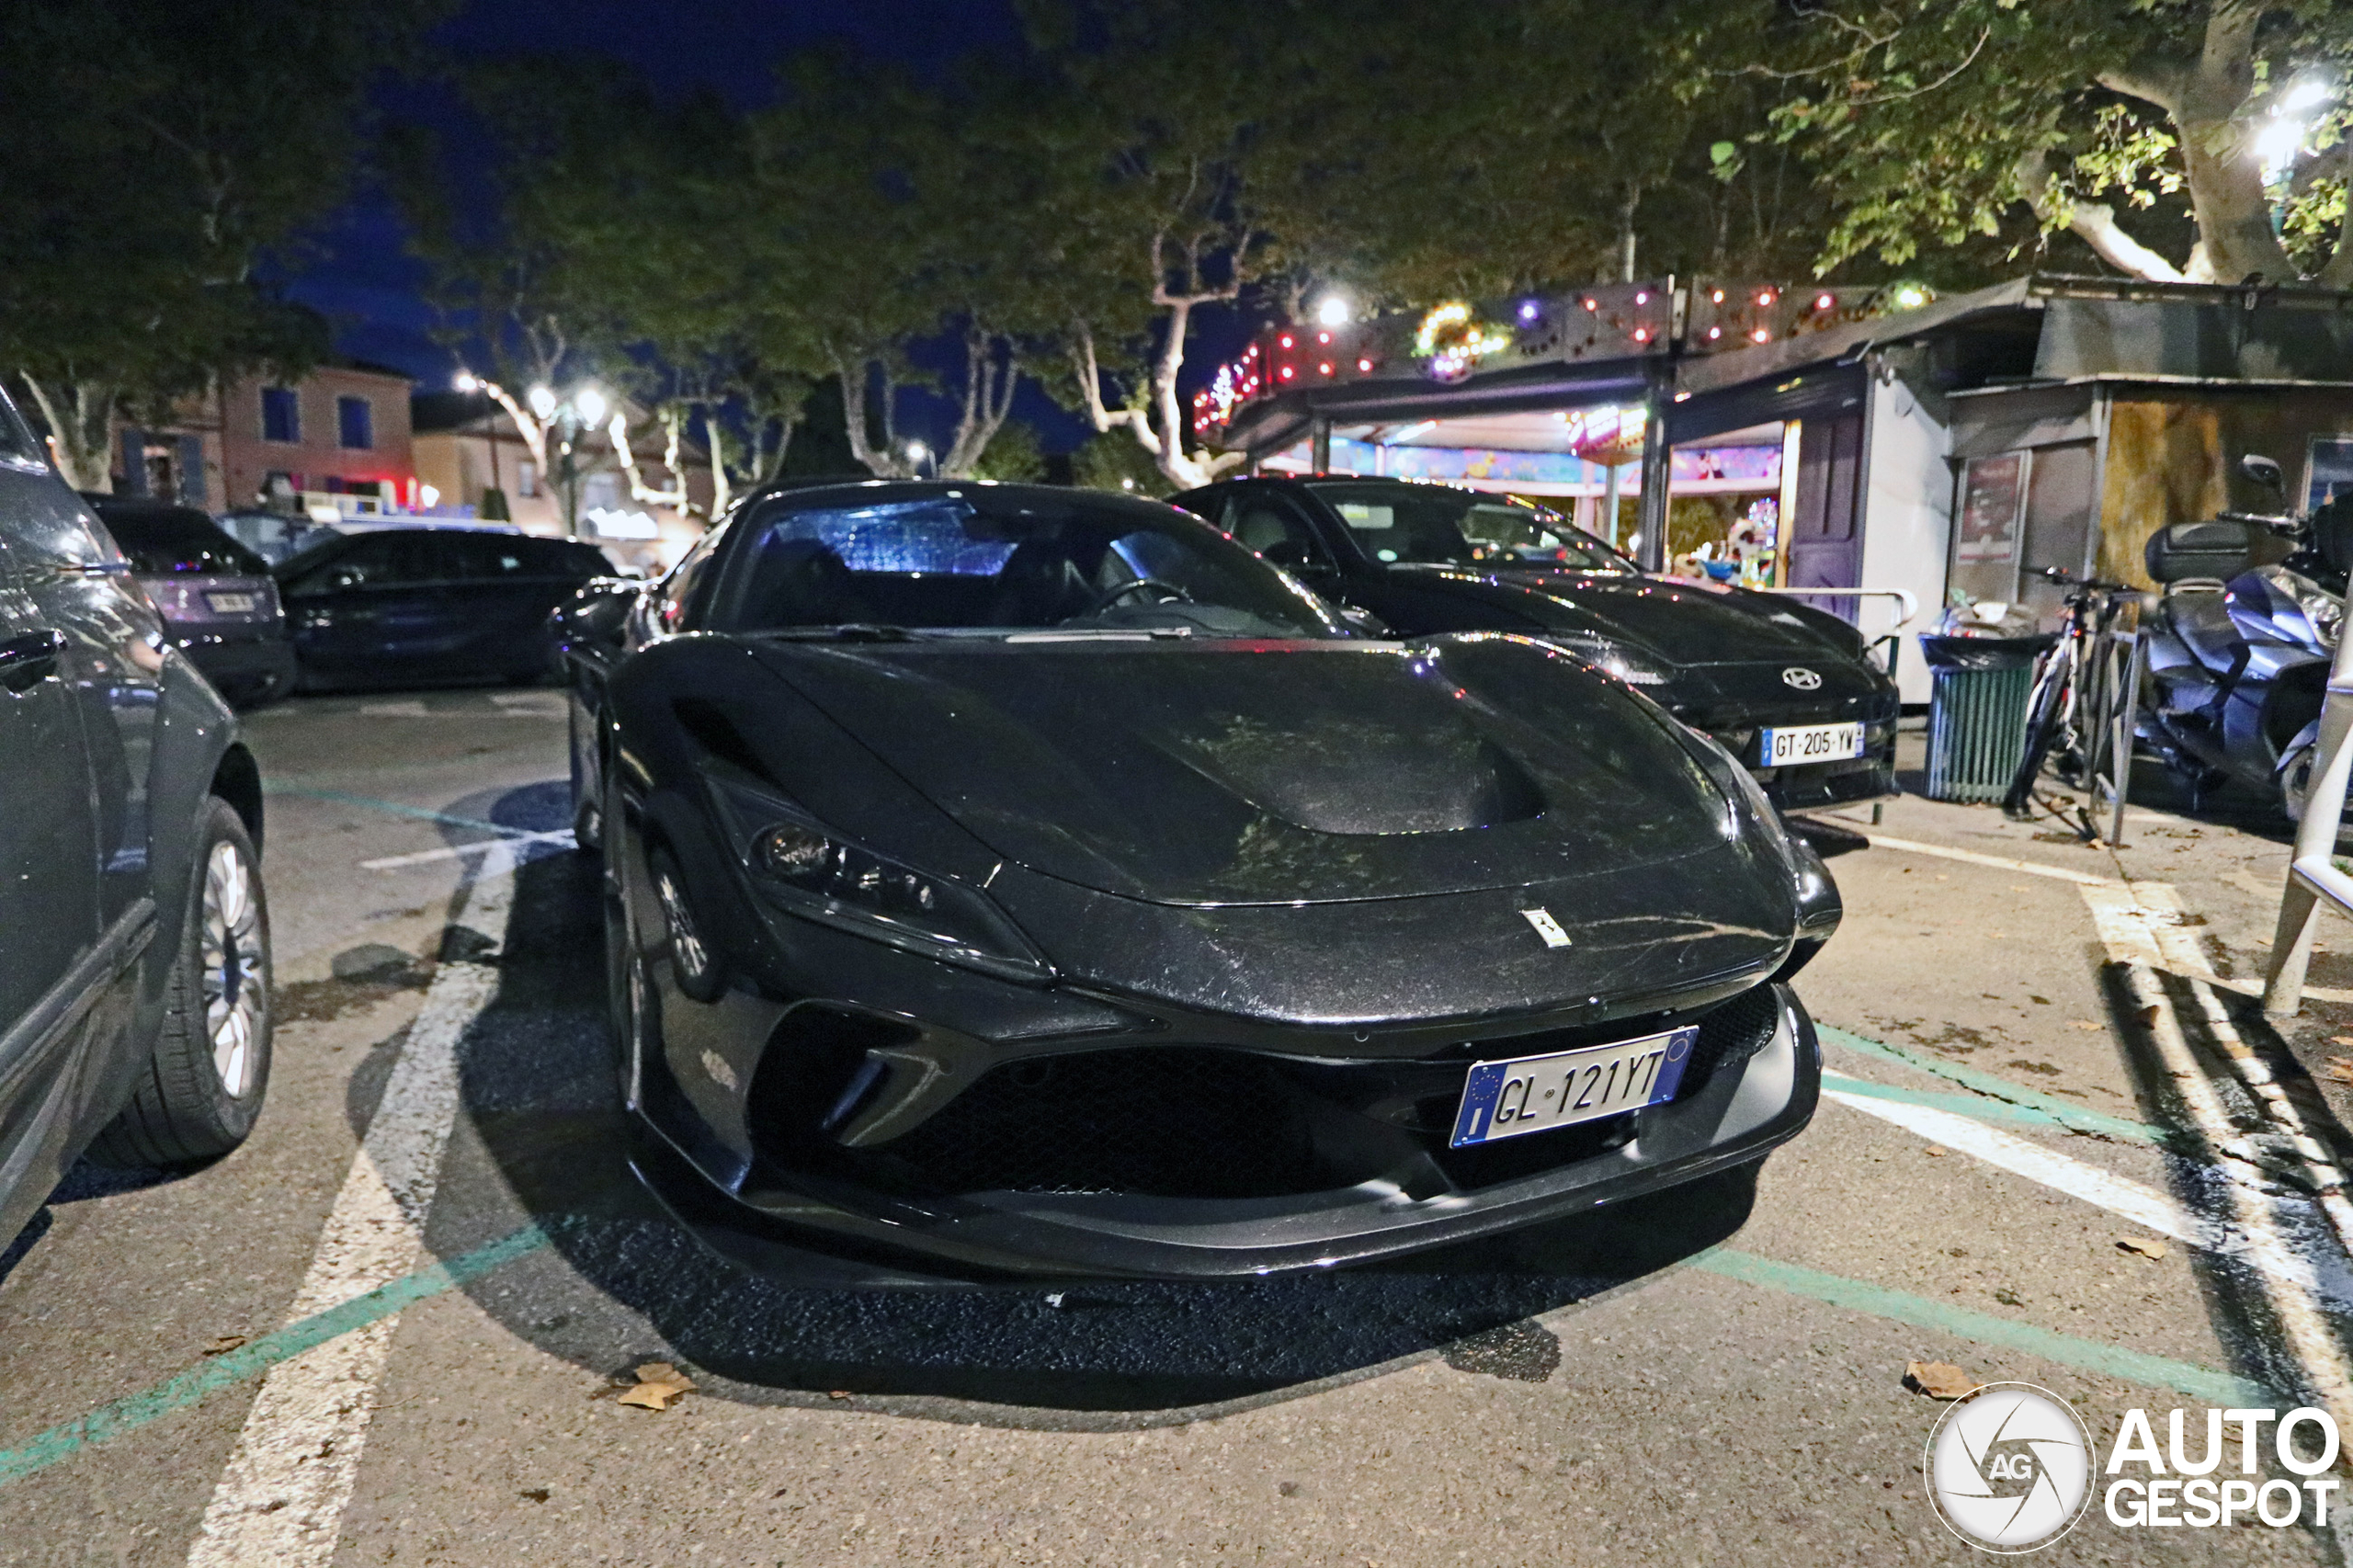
pixel 849 631
pixel 1101 634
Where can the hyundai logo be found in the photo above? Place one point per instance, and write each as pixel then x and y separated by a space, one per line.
pixel 1804 680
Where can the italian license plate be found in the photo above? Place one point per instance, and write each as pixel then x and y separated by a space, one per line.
pixel 230 604
pixel 1811 742
pixel 1529 1094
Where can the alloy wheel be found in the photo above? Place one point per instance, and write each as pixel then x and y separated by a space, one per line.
pixel 230 956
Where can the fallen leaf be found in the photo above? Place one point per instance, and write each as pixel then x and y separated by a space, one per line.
pixel 2340 1039
pixel 2340 1068
pixel 1938 1380
pixel 2084 1024
pixel 225 1343
pixel 2008 1297
pixel 533 1494
pixel 838 1394
pixel 2142 1245
pixel 659 1386
pixel 1934 1150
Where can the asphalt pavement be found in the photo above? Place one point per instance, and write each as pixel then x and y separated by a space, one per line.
pixel 385 1331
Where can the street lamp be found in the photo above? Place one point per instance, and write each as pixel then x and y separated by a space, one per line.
pixel 919 458
pixel 1334 312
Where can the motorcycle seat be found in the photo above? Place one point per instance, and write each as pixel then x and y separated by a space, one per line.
pixel 2196 612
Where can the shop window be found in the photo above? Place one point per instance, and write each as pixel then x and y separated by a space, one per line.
pixel 281 414
pixel 354 424
pixel 600 493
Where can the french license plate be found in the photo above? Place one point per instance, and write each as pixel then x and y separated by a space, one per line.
pixel 1504 1100
pixel 1811 742
pixel 230 604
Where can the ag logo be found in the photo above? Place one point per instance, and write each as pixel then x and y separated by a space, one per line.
pixel 1801 678
pixel 2010 1468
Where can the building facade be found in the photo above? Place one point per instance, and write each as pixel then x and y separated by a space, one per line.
pixel 337 437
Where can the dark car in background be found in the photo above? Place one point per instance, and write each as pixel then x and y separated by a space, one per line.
pixel 1789 690
pixel 134 935
pixel 391 607
pixel 1038 880
pixel 274 535
pixel 218 600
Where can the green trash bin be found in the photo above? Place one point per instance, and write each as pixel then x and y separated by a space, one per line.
pixel 1977 712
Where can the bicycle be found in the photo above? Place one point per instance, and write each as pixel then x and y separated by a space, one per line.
pixel 2077 696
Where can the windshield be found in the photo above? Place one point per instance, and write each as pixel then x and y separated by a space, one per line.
pixel 1398 522
pixel 986 561
pixel 164 541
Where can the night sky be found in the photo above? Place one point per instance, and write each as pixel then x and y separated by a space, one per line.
pixel 362 278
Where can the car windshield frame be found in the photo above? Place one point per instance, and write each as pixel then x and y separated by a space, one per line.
pixel 1017 563
pixel 1571 549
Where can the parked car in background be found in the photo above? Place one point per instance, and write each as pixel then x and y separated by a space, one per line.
pixel 1789 690
pixel 219 603
pixel 1037 879
pixel 393 605
pixel 134 935
pixel 273 536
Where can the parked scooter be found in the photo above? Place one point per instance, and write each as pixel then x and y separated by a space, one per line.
pixel 2240 642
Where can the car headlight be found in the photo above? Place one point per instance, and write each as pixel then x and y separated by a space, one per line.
pixel 799 865
pixel 1609 658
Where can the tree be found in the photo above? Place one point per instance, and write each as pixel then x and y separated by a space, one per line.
pixel 154 160
pixel 1937 119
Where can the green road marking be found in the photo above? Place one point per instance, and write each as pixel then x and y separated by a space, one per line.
pixel 2201 1383
pixel 1976 1108
pixel 2074 1117
pixel 345 798
pixel 128 1415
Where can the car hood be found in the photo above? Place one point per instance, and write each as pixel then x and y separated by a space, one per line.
pixel 1686 623
pixel 1280 772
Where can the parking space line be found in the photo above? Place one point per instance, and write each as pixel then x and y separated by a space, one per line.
pixel 1971 856
pixel 451 851
pixel 2128 919
pixel 1960 1105
pixel 2201 1383
pixel 394 808
pixel 131 1412
pixel 2324 1274
pixel 281 1498
pixel 2074 1117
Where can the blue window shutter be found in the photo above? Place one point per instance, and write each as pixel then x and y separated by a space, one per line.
pixel 134 462
pixel 192 469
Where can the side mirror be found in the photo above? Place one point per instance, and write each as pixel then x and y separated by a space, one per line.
pixel 2264 472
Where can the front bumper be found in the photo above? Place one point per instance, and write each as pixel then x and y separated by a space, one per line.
pixel 1011 1180
pixel 246 668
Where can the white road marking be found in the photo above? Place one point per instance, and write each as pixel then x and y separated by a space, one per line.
pixel 449 852
pixel 411 709
pixel 281 1498
pixel 1999 862
pixel 2145 1206
pixel 2140 925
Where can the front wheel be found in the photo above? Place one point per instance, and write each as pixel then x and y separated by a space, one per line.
pixel 203 1084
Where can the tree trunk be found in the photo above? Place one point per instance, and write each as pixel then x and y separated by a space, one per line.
pixel 856 376
pixel 1626 236
pixel 81 433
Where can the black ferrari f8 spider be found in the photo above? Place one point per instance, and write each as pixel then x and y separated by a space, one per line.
pixel 1039 882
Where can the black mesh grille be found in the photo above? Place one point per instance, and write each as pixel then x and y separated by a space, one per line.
pixel 1175 1121
pixel 1731 1034
pixel 1168 1122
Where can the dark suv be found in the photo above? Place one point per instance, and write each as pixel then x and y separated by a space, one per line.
pixel 401 604
pixel 134 936
pixel 1789 690
pixel 218 601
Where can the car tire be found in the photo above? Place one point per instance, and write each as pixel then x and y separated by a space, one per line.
pixel 203 1085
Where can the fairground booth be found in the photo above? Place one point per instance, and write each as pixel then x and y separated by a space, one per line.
pixel 1825 439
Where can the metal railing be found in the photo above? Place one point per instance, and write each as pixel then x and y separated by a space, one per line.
pixel 1906 603
pixel 2312 873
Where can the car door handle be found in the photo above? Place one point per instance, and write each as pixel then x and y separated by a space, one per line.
pixel 26 661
